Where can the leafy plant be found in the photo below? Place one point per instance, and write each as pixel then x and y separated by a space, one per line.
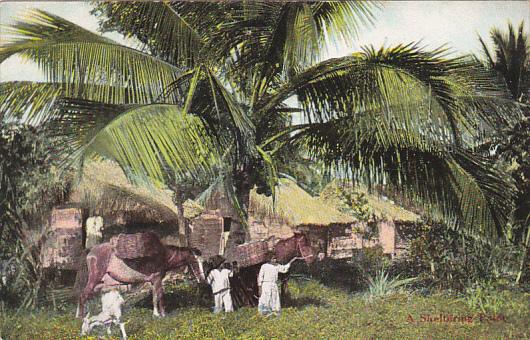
pixel 445 258
pixel 510 59
pixel 29 187
pixel 486 298
pixel 382 285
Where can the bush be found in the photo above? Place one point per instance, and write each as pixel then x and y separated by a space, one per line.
pixel 491 299
pixel 29 187
pixel 352 275
pixel 444 258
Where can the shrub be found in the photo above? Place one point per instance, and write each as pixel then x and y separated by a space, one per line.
pixel 382 285
pixel 29 187
pixel 444 258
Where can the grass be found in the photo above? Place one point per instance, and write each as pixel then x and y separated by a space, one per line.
pixel 314 312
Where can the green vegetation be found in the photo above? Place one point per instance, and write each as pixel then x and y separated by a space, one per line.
pixel 314 312
pixel 382 285
pixel 210 101
pixel 29 187
pixel 236 95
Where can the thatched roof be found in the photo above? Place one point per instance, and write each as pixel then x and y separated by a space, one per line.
pixel 296 207
pixel 381 208
pixel 105 190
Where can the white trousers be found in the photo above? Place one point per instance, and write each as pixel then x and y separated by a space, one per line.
pixel 223 298
pixel 269 301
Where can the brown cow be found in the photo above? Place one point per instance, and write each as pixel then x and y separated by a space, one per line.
pixel 106 269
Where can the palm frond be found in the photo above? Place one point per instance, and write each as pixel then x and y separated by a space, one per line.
pixel 452 185
pixel 341 21
pixel 404 81
pixel 27 101
pixel 34 103
pixel 75 57
pixel 145 140
pixel 264 41
pixel 167 34
pixel 208 98
pixel 510 58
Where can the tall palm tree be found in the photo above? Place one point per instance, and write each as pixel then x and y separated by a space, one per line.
pixel 511 62
pixel 207 95
pixel 510 59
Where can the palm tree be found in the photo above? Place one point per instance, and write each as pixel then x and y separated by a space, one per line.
pixel 510 59
pixel 206 96
pixel 511 62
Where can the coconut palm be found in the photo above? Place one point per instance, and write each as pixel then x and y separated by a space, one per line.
pixel 511 62
pixel 207 91
pixel 510 59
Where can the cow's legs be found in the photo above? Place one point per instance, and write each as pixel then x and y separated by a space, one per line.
pixel 155 301
pixel 93 279
pixel 158 296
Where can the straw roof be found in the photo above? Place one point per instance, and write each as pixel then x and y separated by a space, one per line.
pixel 381 208
pixel 296 207
pixel 105 190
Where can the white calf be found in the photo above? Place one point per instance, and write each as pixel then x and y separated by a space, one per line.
pixel 111 303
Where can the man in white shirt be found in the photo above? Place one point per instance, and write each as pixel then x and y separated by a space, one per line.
pixel 269 299
pixel 220 282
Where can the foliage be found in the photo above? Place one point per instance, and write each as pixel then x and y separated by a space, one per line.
pixel 382 285
pixel 487 298
pixel 350 201
pixel 510 59
pixel 334 273
pixel 509 147
pixel 316 312
pixel 29 187
pixel 444 258
pixel 210 97
pixel 351 275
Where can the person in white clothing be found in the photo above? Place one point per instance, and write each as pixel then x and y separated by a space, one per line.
pixel 269 299
pixel 111 305
pixel 220 282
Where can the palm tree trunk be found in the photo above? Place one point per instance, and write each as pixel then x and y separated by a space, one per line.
pixel 180 195
pixel 183 224
pixel 524 259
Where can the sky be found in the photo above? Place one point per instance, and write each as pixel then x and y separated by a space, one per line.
pixel 453 23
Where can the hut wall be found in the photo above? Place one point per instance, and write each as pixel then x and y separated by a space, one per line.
pixel 238 234
pixel 341 242
pixel 318 236
pixel 265 228
pixel 64 245
pixel 387 236
pixel 403 236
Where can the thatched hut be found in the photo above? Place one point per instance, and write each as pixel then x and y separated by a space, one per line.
pixel 295 209
pixel 104 203
pixel 387 219
pixel 336 233
pixel 217 231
